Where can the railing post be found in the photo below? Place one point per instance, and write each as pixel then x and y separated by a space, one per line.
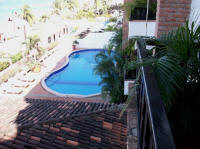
pixel 153 127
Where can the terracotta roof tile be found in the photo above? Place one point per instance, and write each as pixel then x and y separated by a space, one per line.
pixel 95 138
pixel 61 125
pixel 35 138
pixel 107 125
pixel 46 110
pixel 91 133
pixel 73 143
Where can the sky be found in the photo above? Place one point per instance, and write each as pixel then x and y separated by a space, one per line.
pixel 7 7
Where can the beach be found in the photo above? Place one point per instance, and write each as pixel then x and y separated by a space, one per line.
pixel 8 7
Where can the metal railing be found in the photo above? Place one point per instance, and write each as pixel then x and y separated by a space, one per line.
pixel 153 127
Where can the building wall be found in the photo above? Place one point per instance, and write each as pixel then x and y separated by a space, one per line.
pixel 125 24
pixel 195 11
pixel 138 28
pixel 171 14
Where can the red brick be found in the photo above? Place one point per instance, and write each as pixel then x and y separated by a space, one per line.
pixel 171 14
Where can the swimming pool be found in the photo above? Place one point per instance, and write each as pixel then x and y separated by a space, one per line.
pixel 76 77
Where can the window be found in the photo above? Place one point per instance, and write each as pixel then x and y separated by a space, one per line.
pixel 140 14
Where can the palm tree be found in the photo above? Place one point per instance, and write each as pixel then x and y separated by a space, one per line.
pixel 44 18
pixel 71 4
pixel 110 67
pixel 32 43
pixel 176 65
pixel 27 15
pixel 57 6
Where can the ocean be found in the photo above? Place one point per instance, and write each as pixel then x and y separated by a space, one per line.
pixel 8 7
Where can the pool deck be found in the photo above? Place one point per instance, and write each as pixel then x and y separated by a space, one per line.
pixel 38 92
pixel 52 63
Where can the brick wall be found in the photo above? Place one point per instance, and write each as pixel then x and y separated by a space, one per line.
pixel 171 14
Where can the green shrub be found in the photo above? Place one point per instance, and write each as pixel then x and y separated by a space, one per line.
pixel 52 45
pixel 113 20
pixel 4 65
pixel 111 67
pixel 110 28
pixel 16 57
pixel 9 73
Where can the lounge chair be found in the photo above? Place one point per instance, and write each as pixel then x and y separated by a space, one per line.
pixel 27 78
pixel 19 83
pixel 12 90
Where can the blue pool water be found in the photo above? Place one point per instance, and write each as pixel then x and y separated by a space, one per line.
pixel 77 77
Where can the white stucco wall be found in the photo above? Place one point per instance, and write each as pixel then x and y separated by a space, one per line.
pixel 95 40
pixel 138 28
pixel 195 11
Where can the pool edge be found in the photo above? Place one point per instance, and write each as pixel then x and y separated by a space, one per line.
pixel 43 84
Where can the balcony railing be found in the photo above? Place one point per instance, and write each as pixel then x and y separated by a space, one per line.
pixel 153 127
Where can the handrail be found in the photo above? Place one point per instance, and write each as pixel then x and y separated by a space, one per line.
pixel 153 126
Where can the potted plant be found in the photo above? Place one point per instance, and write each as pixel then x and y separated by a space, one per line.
pixel 74 44
pixel 35 67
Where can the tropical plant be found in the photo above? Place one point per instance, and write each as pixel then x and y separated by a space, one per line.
pixel 110 67
pixel 34 66
pixel 44 18
pixel 111 28
pixel 16 57
pixel 185 43
pixel 9 73
pixel 27 15
pixel 4 65
pixel 71 4
pixel 113 19
pixel 52 45
pixel 57 6
pixel 33 43
pixel 177 65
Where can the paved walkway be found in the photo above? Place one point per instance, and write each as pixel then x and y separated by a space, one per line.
pixel 49 63
pixel 53 62
pixel 12 106
pixel 12 46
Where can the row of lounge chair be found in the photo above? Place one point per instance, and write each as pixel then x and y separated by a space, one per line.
pixel 17 84
pixel 22 80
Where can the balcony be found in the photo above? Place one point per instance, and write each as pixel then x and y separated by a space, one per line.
pixel 138 26
pixel 153 128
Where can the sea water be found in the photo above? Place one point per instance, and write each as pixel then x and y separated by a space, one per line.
pixel 9 7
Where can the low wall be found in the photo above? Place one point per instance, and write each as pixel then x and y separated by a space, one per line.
pixel 138 28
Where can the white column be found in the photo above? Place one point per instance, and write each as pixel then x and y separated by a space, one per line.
pixel 195 11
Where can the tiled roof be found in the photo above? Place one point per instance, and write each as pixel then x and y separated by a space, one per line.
pixel 60 124
pixel 47 110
